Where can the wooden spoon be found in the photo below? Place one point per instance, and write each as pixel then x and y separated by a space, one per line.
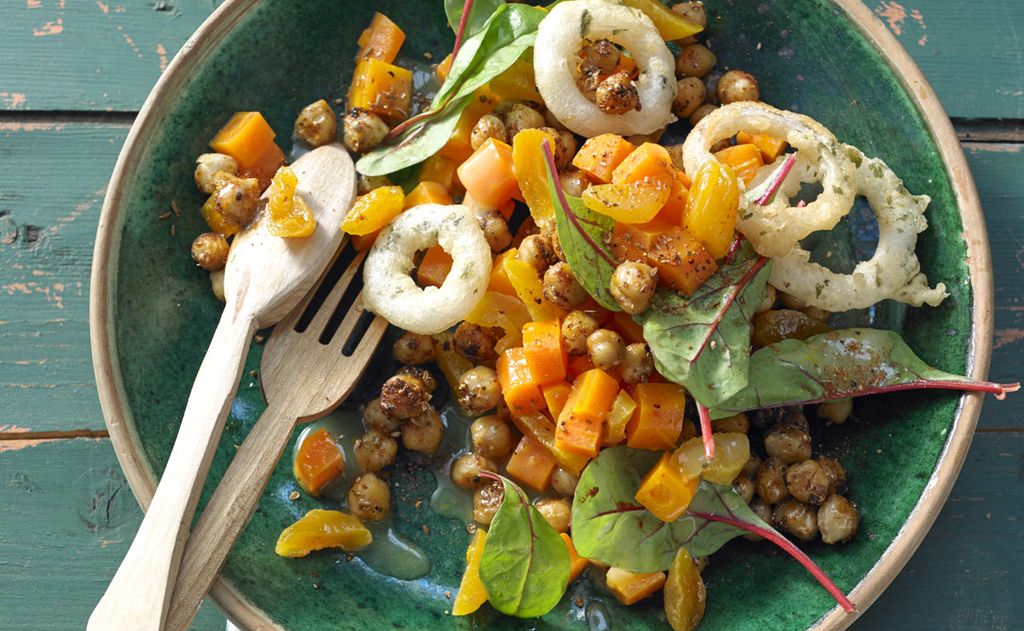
pixel 266 277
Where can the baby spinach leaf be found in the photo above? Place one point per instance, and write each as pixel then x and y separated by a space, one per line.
pixel 703 341
pixel 525 565
pixel 837 365
pixel 478 14
pixel 415 145
pixel 582 234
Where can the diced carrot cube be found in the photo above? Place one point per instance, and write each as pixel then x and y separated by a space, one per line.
pixel 600 155
pixel 674 209
pixel 771 148
pixel 318 461
pixel 458 146
pixel 649 163
pixel 522 393
pixel 624 324
pixel 532 464
pixel 576 563
pixel 440 169
pixel 665 491
pixel 381 40
pixel 541 429
pixel 246 137
pixel 382 88
pixel 580 426
pixel 499 277
pixel 265 166
pixel 626 64
pixel 745 160
pixel 434 267
pixel 682 261
pixel 622 410
pixel 630 587
pixel 428 193
pixel 545 353
pixel 556 394
pixel 487 174
pixel 579 364
pixel 658 420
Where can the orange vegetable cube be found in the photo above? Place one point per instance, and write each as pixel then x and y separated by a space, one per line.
pixel 624 324
pixel 580 426
pixel 665 491
pixel 487 174
pixel 472 593
pixel 682 261
pixel 771 148
pixel 265 166
pixel 499 277
pixel 743 159
pixel 318 461
pixel 374 210
pixel 542 430
pixel 440 169
pixel 712 206
pixel 599 156
pixel 532 464
pixel 658 420
pixel 576 563
pixel 622 410
pixel 626 64
pixel 458 146
pixel 522 393
pixel 630 587
pixel 647 164
pixel 556 395
pixel 674 209
pixel 428 193
pixel 363 242
pixel 246 138
pixel 434 267
pixel 382 88
pixel 579 364
pixel 381 40
pixel 442 69
pixel 545 353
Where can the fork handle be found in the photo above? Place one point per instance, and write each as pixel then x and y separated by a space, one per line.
pixel 228 511
pixel 137 597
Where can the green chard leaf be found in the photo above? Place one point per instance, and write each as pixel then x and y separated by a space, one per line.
pixel 415 145
pixel 702 342
pixel 610 526
pixel 480 11
pixel 525 565
pixel 582 234
pixel 837 365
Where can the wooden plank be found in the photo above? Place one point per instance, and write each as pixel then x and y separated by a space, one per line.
pixel 46 236
pixel 68 518
pixel 89 54
pixel 971 52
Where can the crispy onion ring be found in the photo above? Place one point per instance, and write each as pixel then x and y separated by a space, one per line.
pixel 776 228
pixel 390 291
pixel 555 52
pixel 893 272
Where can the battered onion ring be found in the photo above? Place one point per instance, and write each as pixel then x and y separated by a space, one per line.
pixel 389 290
pixel 774 229
pixel 893 272
pixel 554 65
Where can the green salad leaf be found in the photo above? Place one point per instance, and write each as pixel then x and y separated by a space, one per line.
pixel 583 236
pixel 837 365
pixel 702 341
pixel 479 12
pixel 525 565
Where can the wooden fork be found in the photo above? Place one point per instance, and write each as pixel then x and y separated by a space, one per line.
pixel 306 373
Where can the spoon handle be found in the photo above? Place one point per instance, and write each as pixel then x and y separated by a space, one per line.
pixel 137 597
pixel 228 511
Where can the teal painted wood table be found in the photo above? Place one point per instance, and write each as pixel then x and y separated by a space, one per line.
pixel 72 74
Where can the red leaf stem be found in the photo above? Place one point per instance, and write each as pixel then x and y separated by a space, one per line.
pixel 777 179
pixel 734 247
pixel 466 8
pixel 733 295
pixel 706 432
pixel 791 550
pixel 549 157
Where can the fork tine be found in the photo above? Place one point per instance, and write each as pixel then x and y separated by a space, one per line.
pixel 330 303
pixel 350 321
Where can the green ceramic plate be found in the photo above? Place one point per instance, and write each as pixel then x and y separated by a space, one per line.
pixel 153 313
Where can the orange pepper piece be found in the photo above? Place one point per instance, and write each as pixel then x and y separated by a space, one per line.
pixel 499 276
pixel 522 393
pixel 599 156
pixel 658 421
pixel 318 461
pixel 440 169
pixel 555 395
pixel 623 408
pixel 382 88
pixel 743 159
pixel 532 464
pixel 428 193
pixel 712 206
pixel 580 426
pixel 545 354
pixel 472 593
pixel 381 40
pixel 542 430
pixel 771 148
pixel 246 138
pixel 630 587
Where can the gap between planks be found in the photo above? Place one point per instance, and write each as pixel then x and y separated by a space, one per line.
pixel 55 435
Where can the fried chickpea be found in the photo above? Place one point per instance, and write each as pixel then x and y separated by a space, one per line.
pixel 522 117
pixel 563 482
pixel 556 511
pixel 425 377
pixel 701 112
pixel 797 518
pixel 617 94
pixel 632 286
pixel 769 299
pixel 689 96
pixel 771 484
pixel 794 417
pixel 751 465
pixel 466 470
pixel 745 487
pixel 208 168
pixel 236 200
pixel 486 501
pixel 552 121
pixel 836 474
pixel 375 450
pixel 588 81
pixel 835 412
pixel 478 390
pixel 807 482
pixel 606 349
pixel 413 349
pixel 817 313
pixel 536 250
pixel 787 443
pixel 369 498
pixel 574 182
pixel 737 85
pixel 637 364
pixel 561 287
pixel 762 510
pixel 556 245
pixel 374 418
pixel 422 433
pixel 838 519
pixel 317 125
pixel 363 130
pixel 789 301
pixel 495 228
pixel 738 423
pixel 489 126
pixel 695 60
pixel 474 342
pixel 565 147
pixel 601 54
pixel 692 11
pixel 403 396
pixel 491 436
pixel 576 328
pixel 217 285
pixel 367 183
pixel 210 251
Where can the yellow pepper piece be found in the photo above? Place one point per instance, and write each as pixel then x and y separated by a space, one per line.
pixel 451 363
pixel 373 211
pixel 319 529
pixel 630 587
pixel 214 219
pixel 518 81
pixel 712 206
pixel 732 450
pixel 527 284
pixel 509 313
pixel 665 491
pixel 627 203
pixel 622 411
pixel 472 593
pixel 670 25
pixel 531 171
pixel 287 213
